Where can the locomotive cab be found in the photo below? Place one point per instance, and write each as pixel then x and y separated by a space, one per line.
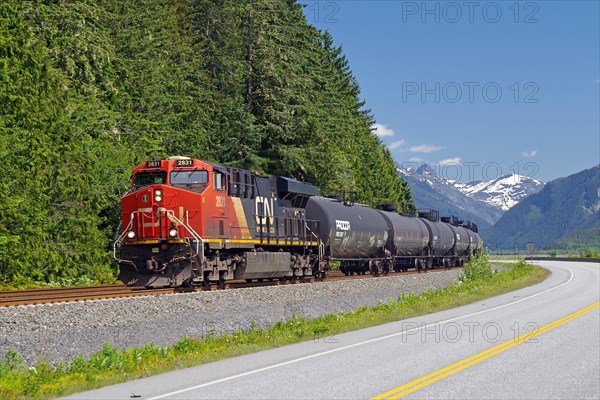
pixel 161 241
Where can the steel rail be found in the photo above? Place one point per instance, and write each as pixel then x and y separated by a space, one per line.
pixel 58 295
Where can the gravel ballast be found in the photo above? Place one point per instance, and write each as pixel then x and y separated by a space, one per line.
pixel 61 331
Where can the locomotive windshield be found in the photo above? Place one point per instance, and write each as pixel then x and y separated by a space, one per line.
pixel 149 178
pixel 188 178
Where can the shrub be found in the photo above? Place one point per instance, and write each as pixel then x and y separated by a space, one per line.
pixel 589 253
pixel 478 269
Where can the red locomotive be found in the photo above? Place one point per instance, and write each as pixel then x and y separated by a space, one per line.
pixel 188 221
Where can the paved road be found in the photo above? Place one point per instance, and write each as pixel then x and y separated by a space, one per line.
pixel 477 351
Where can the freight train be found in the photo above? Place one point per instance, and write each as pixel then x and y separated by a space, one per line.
pixel 187 221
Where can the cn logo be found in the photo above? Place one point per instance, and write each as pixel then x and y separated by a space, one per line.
pixel 264 210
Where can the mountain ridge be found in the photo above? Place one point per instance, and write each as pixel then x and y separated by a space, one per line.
pixel 482 202
pixel 430 190
pixel 503 192
pixel 565 205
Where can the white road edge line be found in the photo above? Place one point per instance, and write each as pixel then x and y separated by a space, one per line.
pixel 255 371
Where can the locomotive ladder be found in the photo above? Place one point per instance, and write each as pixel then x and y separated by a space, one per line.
pixel 117 242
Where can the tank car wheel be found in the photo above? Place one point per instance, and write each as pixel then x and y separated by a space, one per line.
pixel 248 280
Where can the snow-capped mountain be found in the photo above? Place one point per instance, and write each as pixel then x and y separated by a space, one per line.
pixel 503 192
pixel 564 214
pixel 482 202
pixel 430 190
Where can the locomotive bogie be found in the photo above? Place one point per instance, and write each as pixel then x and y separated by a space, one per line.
pixel 157 265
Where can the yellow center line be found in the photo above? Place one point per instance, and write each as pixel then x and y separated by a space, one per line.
pixel 477 358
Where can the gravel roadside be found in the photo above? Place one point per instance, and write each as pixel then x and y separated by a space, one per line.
pixel 59 332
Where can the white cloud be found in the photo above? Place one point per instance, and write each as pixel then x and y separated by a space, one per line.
pixel 531 153
pixel 425 148
pixel 450 161
pixel 396 145
pixel 416 159
pixel 381 130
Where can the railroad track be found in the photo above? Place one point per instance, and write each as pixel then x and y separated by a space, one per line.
pixel 60 295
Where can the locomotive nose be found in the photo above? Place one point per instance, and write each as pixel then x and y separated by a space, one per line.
pixel 150 214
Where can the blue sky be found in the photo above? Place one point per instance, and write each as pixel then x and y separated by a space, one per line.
pixel 478 88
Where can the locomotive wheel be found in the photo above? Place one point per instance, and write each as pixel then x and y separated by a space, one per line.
pixel 304 274
pixel 222 277
pixel 187 283
pixel 206 280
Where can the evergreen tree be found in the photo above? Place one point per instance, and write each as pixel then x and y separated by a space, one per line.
pixel 90 88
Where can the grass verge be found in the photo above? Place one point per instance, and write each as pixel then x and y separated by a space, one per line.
pixel 110 365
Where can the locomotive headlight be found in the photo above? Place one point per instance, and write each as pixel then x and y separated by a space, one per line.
pixel 158 195
pixel 173 233
pixel 131 234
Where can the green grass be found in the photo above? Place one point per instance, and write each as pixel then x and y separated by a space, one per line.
pixel 111 365
pixel 24 283
pixel 587 252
